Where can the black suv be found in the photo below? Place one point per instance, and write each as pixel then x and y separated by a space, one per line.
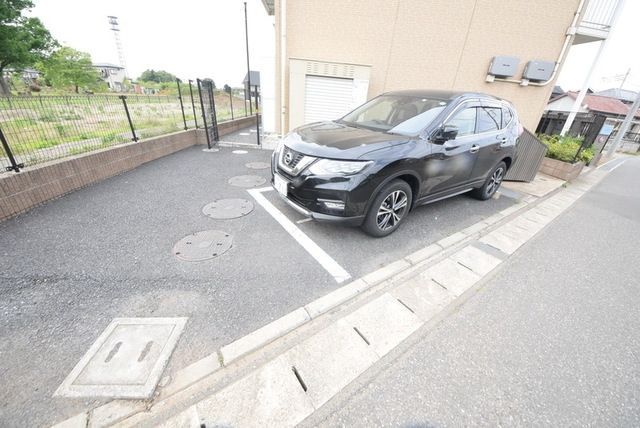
pixel 398 150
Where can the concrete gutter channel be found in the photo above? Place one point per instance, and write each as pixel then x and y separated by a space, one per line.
pixel 310 354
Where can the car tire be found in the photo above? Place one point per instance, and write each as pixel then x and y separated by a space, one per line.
pixel 492 183
pixel 382 219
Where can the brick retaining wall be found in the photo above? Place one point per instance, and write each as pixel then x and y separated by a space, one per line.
pixel 35 185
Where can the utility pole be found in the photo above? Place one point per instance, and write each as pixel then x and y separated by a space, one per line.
pixel 625 126
pixel 246 35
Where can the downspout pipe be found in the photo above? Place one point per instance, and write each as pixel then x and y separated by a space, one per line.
pixel 283 62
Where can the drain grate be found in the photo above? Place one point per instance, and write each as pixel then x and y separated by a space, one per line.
pixel 257 165
pixel 247 181
pixel 203 245
pixel 223 209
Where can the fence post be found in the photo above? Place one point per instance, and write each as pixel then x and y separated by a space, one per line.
pixel 215 114
pixel 231 102
pixel 258 127
pixel 126 110
pixel 193 105
pixel 5 145
pixel 184 119
pixel 245 102
pixel 204 115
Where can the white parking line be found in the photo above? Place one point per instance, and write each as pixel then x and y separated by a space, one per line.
pixel 616 166
pixel 307 243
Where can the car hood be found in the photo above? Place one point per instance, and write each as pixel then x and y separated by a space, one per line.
pixel 338 141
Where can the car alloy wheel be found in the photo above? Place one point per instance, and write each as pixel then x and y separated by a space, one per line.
pixel 392 210
pixel 495 181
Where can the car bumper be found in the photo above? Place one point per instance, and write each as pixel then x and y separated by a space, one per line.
pixel 329 218
pixel 316 198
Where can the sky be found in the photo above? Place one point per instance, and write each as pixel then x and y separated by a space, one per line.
pixel 205 38
pixel 188 38
pixel 621 54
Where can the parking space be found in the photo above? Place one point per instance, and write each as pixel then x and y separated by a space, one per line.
pixel 107 251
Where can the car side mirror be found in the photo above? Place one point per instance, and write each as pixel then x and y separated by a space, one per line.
pixel 446 133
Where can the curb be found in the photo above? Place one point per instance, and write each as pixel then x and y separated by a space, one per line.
pixel 119 410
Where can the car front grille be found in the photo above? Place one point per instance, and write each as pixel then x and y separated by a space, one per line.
pixel 296 157
pixel 292 162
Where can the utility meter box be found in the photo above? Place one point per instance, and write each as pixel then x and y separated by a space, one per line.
pixel 503 66
pixel 538 71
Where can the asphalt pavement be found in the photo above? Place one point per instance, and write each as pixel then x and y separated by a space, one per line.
pixel 72 265
pixel 551 339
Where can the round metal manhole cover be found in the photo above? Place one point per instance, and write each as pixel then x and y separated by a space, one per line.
pixel 257 165
pixel 240 152
pixel 223 209
pixel 247 181
pixel 203 245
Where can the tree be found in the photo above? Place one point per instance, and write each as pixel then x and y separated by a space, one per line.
pixel 227 88
pixel 24 41
pixel 69 67
pixel 159 76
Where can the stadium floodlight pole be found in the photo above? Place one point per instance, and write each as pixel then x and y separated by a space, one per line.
pixel 246 36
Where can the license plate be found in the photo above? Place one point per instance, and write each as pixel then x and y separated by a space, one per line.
pixel 280 184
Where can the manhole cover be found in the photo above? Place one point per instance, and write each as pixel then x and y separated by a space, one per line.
pixel 203 245
pixel 228 208
pixel 240 152
pixel 257 165
pixel 126 361
pixel 247 181
pixel 211 150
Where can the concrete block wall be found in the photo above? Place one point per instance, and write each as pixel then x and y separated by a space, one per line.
pixel 563 170
pixel 36 185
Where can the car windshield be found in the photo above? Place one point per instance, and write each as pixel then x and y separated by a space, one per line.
pixel 396 114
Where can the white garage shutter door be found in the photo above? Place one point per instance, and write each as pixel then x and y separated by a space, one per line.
pixel 327 98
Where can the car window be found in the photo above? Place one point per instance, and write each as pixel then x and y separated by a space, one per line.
pixel 398 114
pixel 489 119
pixel 464 120
pixel 506 116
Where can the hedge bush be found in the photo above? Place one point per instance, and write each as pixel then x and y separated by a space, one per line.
pixel 564 148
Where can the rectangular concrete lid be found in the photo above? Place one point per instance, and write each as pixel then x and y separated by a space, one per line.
pixel 126 361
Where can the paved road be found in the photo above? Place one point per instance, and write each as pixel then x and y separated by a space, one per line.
pixel 553 339
pixel 70 266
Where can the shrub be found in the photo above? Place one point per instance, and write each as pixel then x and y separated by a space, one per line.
pixel 564 148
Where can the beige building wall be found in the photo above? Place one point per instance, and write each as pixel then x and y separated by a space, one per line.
pixel 436 44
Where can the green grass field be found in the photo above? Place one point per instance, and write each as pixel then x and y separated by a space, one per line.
pixel 41 128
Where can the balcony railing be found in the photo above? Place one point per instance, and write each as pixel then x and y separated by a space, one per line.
pixel 596 21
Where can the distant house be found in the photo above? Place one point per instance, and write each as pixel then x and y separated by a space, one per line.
pixel 556 92
pixel 29 75
pixel 624 95
pixel 596 111
pixel 112 74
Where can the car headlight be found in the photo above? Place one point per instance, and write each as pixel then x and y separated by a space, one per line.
pixel 336 167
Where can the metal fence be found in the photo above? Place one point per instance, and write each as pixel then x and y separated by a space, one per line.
pixel 528 159
pixel 36 129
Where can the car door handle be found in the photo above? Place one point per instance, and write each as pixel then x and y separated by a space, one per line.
pixel 474 148
pixel 503 141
